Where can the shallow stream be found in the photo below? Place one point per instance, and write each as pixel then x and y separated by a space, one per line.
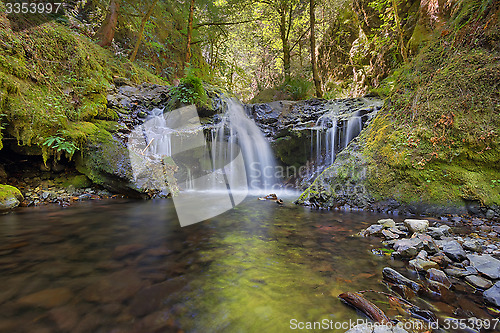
pixel 127 266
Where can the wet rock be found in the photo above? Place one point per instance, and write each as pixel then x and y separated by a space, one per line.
pixel 124 250
pixel 492 295
pixel 454 250
pixel 408 248
pixel 48 298
pixel 115 287
pixel 397 231
pixel 473 245
pixel 422 265
pixel 65 317
pixel 438 275
pixel 458 272
pixel 478 281
pixel 373 230
pixel 486 265
pixel 416 225
pixel 441 259
pixel 439 232
pixel 150 299
pixel 387 223
pixel 10 197
pixel 393 276
pixel 389 235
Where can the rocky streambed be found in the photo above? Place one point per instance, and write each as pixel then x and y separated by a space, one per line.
pixel 443 259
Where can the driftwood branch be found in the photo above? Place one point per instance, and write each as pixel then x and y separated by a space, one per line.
pixel 358 301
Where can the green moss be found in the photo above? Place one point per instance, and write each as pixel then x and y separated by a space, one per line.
pixel 80 181
pixel 53 80
pixel 10 197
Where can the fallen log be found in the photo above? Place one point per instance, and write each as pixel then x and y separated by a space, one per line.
pixel 360 303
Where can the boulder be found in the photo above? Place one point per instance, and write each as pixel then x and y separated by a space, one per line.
pixel 387 223
pixel 492 295
pixel 486 265
pixel 10 197
pixel 478 281
pixel 416 225
pixel 454 250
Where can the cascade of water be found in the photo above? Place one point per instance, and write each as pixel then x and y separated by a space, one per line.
pixel 238 132
pixel 235 138
pixel 336 128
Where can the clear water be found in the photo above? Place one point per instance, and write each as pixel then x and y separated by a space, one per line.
pixel 127 266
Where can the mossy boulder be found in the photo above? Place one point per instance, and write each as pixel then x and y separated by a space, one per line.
pixel 10 197
pixel 106 162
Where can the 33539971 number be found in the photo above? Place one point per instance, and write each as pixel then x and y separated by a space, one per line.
pixel 33 7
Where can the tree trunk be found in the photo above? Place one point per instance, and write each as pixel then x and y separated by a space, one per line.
pixel 106 32
pixel 312 21
pixel 286 46
pixel 189 31
pixel 141 30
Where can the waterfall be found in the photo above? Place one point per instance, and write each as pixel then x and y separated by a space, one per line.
pixel 241 133
pixel 337 127
pixel 230 154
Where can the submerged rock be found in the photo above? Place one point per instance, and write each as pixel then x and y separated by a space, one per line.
pixel 48 298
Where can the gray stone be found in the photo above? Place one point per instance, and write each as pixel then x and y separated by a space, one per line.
pixel 478 281
pixel 416 225
pixel 440 232
pixel 387 223
pixel 492 295
pixel 373 230
pixel 389 235
pixel 408 247
pixel 486 265
pixel 454 250
pixel 472 245
pixel 490 214
pixel 438 275
pixel 397 231
pixel 423 265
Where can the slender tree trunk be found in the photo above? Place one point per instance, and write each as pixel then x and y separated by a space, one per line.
pixel 286 45
pixel 141 30
pixel 312 19
pixel 106 32
pixel 189 31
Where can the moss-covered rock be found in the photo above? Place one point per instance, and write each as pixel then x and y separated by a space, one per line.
pixel 10 197
pixel 106 162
